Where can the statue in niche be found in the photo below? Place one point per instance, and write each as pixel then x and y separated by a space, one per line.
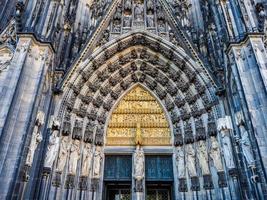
pixel 215 154
pixel 139 12
pixel 180 162
pixel 149 5
pixel 150 20
pixel 98 157
pixel 63 153
pixel 203 157
pixel 87 159
pixel 191 160
pixel 53 145
pixel 139 160
pixel 127 22
pixel 36 138
pixel 128 5
pixel 161 26
pixel 246 146
pixel 227 150
pixel 74 156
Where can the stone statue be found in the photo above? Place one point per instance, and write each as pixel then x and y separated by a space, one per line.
pixel 215 154
pixel 36 138
pixel 128 5
pixel 150 21
pixel 74 156
pixel 87 159
pixel 227 150
pixel 53 146
pixel 139 160
pixel 180 162
pixel 149 5
pixel 203 157
pixel 98 157
pixel 63 153
pixel 139 12
pixel 246 146
pixel 191 160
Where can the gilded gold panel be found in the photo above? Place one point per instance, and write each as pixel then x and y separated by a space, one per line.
pixel 140 115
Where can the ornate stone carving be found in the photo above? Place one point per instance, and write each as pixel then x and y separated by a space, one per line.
pixel 212 129
pixel 89 132
pixel 77 130
pixel 246 146
pixel 99 136
pixel 191 160
pixel 182 185
pixel 66 129
pixel 63 153
pixel 222 182
pixel 53 145
pixel 203 157
pixel 74 156
pixel 92 115
pixel 227 149
pixel 178 138
pixel 195 185
pixel 188 136
pixel 179 102
pixel 215 154
pixel 98 101
pixel 200 130
pixel 57 179
pixel 208 184
pixel 83 183
pixel 82 110
pixel 139 170
pixel 36 138
pixel 98 158
pixel 69 183
pixel 87 160
pixel 180 162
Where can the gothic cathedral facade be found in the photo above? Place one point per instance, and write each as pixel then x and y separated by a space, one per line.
pixel 133 99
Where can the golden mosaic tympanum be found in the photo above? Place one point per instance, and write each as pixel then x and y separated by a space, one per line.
pixel 137 112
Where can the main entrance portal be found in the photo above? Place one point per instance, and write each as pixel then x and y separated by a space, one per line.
pixel 139 123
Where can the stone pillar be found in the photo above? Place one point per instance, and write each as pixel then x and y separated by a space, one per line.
pixel 19 106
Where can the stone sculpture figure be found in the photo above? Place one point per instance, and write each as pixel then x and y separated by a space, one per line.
pixel 98 157
pixel 191 160
pixel 53 146
pixel 203 157
pixel 87 159
pixel 139 159
pixel 150 21
pixel 63 153
pixel 227 150
pixel 180 162
pixel 128 5
pixel 215 154
pixel 139 12
pixel 74 156
pixel 36 138
pixel 149 5
pixel 246 146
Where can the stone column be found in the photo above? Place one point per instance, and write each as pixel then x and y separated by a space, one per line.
pixel 19 106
